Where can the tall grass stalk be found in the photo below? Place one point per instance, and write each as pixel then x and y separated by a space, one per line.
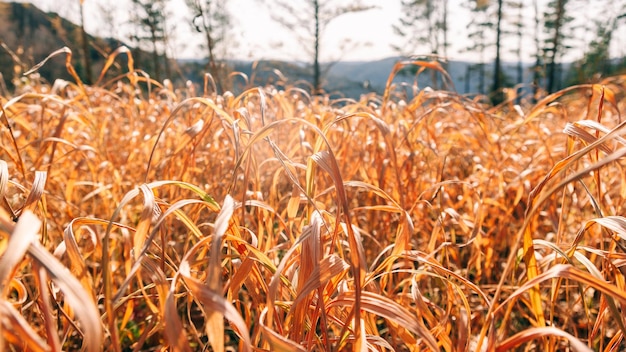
pixel 139 216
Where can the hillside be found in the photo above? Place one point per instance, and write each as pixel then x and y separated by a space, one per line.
pixel 30 35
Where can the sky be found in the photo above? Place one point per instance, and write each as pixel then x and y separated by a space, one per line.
pixel 257 36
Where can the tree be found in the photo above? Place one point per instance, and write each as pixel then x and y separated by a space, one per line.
pixel 308 22
pixel 497 67
pixel 150 18
pixel 212 19
pixel 509 22
pixel 597 58
pixel 479 28
pixel 556 18
pixel 85 45
pixel 518 25
pixel 423 23
pixel 538 66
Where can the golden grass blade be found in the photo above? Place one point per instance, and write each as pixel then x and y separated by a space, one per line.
pixel 616 224
pixel 18 331
pixel 279 343
pixel 309 261
pixel 538 332
pixel 70 247
pixel 22 235
pixel 175 113
pixel 215 321
pixel 147 214
pixel 50 322
pixel 541 106
pixel 4 177
pixel 36 192
pixel 88 314
pixel 68 65
pixel 328 268
pixel 294 203
pixel 423 65
pixel 569 272
pixel 173 209
pixel 531 272
pixel 215 303
pixel 174 334
pixel 388 309
pixel 327 161
pixel 4 180
pixel 576 131
pixel 8 125
pixel 111 60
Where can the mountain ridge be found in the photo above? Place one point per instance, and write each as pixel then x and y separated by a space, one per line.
pixel 33 34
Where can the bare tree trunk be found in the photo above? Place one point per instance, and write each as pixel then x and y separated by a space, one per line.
pixel 317 85
pixel 520 42
pixel 168 70
pixel 497 74
pixel 444 28
pixel 560 10
pixel 537 53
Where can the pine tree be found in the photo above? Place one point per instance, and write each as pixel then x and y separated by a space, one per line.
pixel 597 58
pixel 423 23
pixel 150 18
pixel 556 22
pixel 497 66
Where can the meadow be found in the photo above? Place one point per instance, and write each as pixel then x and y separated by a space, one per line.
pixel 137 216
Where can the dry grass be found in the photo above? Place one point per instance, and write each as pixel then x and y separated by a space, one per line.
pixel 158 219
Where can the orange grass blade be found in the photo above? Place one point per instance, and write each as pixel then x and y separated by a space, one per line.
pixel 278 342
pixel 328 268
pixel 111 60
pixel 24 235
pixel 531 272
pixel 68 65
pixel 423 65
pixel 327 161
pixel 147 214
pixel 388 309
pixel 46 308
pixel 36 191
pixel 569 272
pixel 538 332
pixel 174 334
pixel 88 314
pixel 18 331
pixel 215 322
pixel 537 197
pixel 5 119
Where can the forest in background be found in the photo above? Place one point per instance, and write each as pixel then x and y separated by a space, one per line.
pixel 498 28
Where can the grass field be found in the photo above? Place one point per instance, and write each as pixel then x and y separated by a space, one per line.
pixel 178 219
